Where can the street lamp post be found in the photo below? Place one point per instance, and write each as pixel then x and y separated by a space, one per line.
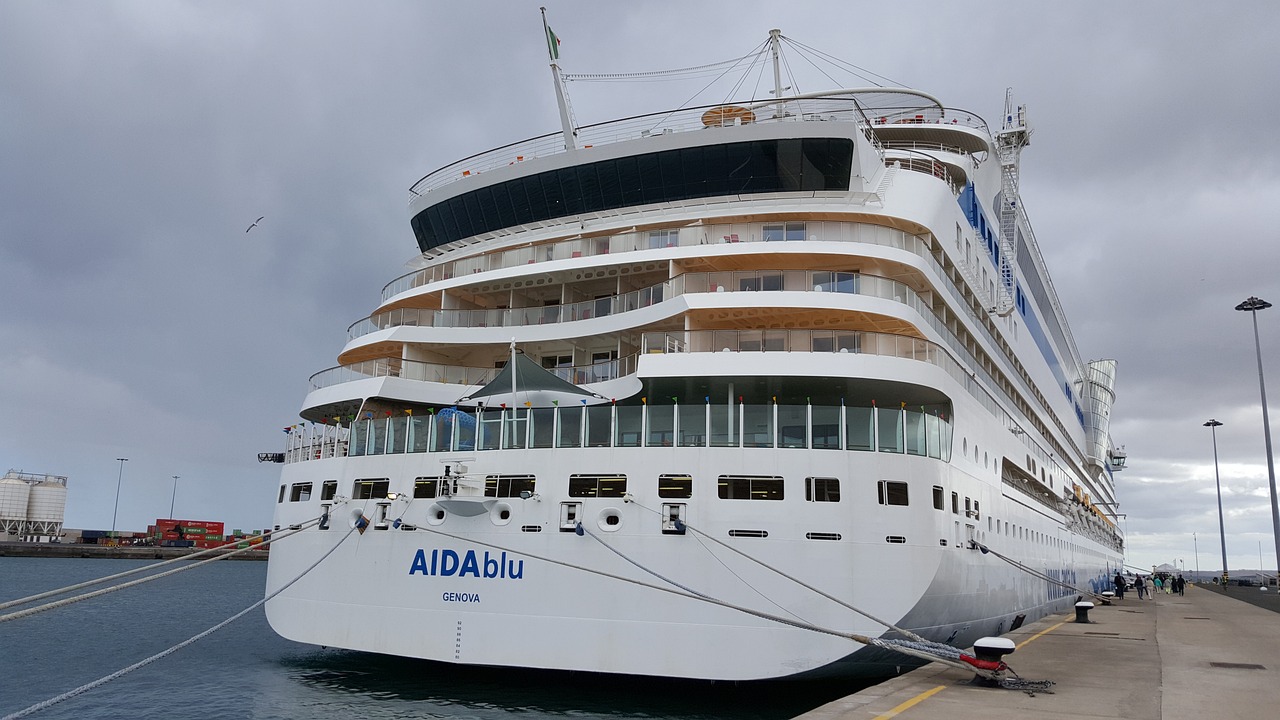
pixel 1213 426
pixel 119 478
pixel 175 496
pixel 1252 306
pixel 1196 542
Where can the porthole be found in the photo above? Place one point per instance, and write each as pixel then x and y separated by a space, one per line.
pixel 610 519
pixel 500 513
pixel 436 514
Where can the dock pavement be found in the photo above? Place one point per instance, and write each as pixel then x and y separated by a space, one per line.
pixel 1207 654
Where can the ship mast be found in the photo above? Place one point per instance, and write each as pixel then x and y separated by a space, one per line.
pixel 553 50
pixel 774 36
pixel 1014 135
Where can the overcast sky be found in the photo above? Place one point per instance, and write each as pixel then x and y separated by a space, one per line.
pixel 138 140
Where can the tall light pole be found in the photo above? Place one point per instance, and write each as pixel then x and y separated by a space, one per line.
pixel 1252 306
pixel 1213 426
pixel 119 478
pixel 175 496
pixel 1196 542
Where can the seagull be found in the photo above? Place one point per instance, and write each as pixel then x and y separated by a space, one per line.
pixel 255 224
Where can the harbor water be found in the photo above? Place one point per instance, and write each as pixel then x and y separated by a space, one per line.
pixel 246 671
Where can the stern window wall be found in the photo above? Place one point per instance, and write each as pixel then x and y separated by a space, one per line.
pixel 923 430
pixel 763 166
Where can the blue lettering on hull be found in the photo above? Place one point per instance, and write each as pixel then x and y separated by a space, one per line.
pixel 448 563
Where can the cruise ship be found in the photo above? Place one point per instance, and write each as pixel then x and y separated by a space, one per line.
pixel 702 394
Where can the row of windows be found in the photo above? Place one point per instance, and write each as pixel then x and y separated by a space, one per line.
pixel 729 487
pixel 673 486
pixel 763 166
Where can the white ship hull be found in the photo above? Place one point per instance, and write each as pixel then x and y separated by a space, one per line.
pixel 846 393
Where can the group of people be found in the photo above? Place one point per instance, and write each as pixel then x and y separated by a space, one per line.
pixel 1168 583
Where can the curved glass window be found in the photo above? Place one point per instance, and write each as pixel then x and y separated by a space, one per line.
pixel 762 166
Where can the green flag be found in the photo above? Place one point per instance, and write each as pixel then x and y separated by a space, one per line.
pixel 553 44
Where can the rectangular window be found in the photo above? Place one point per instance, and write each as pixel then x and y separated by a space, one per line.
pixel 822 489
pixel 328 489
pixel 282 490
pixel 749 487
pixel 507 485
pixel 611 486
pixel 783 231
pixel 955 503
pixel 939 501
pixel 370 489
pixel 300 492
pixel 892 492
pixel 675 486
pixel 663 238
pixel 426 487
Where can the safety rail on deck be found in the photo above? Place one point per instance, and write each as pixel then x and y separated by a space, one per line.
pixel 463 376
pixel 827 231
pixel 822 109
pixel 724 281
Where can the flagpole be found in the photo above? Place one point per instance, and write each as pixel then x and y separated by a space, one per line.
pixel 553 50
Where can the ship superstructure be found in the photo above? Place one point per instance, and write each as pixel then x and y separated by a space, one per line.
pixel 651 372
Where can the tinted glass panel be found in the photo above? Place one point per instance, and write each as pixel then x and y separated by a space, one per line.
pixel 807 164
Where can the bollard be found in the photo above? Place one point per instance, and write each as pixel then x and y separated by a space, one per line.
pixel 993 649
pixel 1082 611
pixel 1107 597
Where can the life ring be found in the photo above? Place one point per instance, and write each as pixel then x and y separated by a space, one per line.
pixel 725 115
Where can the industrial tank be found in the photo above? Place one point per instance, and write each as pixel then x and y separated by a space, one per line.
pixel 46 507
pixel 14 496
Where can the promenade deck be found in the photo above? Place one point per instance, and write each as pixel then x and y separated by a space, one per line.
pixel 1203 655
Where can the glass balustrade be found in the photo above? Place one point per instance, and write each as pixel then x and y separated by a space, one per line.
pixel 924 432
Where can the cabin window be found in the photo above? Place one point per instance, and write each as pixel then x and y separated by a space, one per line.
pixel 955 503
pixel 370 489
pixel 675 486
pixel 664 238
pixel 939 498
pixel 300 492
pixel 822 489
pixel 749 487
pixel 892 492
pixel 589 486
pixel 426 487
pixel 783 231
pixel 507 485
pixel 280 499
pixel 328 489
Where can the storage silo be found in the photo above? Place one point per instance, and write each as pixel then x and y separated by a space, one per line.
pixel 46 507
pixel 14 495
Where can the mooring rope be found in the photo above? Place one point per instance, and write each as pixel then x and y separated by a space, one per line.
pixel 989 670
pixel 1032 571
pixel 164 653
pixel 98 581
pixel 16 615
pixel 906 633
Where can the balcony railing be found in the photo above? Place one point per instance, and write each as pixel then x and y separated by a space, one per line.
pixel 925 432
pixel 834 108
pixel 639 241
pixel 463 376
pixel 727 281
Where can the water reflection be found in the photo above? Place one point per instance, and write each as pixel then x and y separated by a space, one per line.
pixel 498 692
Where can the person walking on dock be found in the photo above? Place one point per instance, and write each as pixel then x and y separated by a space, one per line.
pixel 1140 585
pixel 1180 585
pixel 1156 582
pixel 1120 585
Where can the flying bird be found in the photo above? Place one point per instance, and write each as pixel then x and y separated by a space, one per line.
pixel 255 224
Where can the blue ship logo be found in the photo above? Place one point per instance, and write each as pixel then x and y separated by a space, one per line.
pixel 450 563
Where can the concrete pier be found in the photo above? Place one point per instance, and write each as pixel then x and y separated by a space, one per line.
pixel 1203 655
